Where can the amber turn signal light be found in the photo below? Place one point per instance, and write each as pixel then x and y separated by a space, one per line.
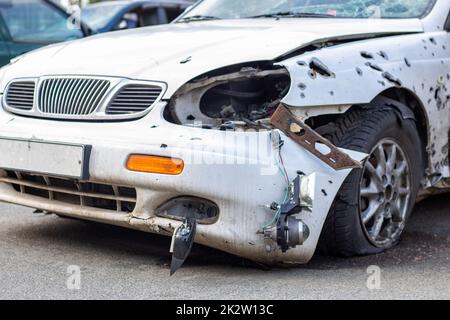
pixel 155 164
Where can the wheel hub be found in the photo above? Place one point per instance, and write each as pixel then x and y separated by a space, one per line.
pixel 385 193
pixel 388 192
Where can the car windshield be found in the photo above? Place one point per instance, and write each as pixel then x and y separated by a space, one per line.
pixel 234 9
pixel 98 16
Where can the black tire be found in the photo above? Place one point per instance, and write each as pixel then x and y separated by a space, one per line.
pixel 361 130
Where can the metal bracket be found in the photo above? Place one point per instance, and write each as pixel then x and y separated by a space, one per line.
pixel 284 120
pixel 289 231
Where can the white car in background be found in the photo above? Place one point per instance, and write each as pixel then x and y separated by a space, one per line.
pixel 263 130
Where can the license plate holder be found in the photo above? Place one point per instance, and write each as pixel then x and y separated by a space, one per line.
pixel 45 157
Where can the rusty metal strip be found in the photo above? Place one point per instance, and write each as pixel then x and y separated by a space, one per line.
pixel 297 130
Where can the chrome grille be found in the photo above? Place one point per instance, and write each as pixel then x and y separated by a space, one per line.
pixel 133 98
pixel 20 95
pixel 87 194
pixel 82 98
pixel 71 96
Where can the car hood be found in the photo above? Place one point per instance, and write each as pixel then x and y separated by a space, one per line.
pixel 177 53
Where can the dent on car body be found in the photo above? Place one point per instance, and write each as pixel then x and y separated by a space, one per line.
pixel 383 65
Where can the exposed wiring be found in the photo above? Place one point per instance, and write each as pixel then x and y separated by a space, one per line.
pixel 282 169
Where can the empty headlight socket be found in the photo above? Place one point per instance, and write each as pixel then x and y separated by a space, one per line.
pixel 181 208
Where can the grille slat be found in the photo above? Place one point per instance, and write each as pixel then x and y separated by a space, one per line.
pixel 84 97
pixel 139 93
pixel 24 85
pixel 40 98
pixel 71 96
pixel 21 104
pixel 20 95
pixel 58 92
pixel 43 98
pixel 129 104
pixel 66 190
pixel 69 89
pixel 78 93
pixel 61 96
pixel 20 99
pixel 20 91
pixel 98 94
pixel 133 99
pixel 50 90
pixel 93 96
pixel 143 95
pixel 49 93
pixel 85 194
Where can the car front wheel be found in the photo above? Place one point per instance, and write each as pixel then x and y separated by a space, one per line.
pixel 372 208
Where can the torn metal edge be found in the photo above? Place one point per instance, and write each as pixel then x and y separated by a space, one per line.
pixel 284 120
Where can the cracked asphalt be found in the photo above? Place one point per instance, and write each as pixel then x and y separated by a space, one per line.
pixel 115 263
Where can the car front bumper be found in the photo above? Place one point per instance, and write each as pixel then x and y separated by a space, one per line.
pixel 238 171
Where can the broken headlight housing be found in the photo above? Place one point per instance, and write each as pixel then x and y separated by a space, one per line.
pixel 244 98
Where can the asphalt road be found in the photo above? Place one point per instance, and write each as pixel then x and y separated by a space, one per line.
pixel 36 251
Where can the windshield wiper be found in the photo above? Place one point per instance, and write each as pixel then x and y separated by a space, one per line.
pixel 292 14
pixel 198 18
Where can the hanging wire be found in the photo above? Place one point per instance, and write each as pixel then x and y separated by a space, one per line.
pixel 283 171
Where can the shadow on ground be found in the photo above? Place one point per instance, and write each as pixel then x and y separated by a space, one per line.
pixel 427 237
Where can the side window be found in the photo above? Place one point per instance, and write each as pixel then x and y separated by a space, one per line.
pixel 173 13
pixel 153 15
pixel 37 21
pixel 130 20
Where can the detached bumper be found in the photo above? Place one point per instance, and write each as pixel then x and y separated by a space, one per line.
pixel 237 171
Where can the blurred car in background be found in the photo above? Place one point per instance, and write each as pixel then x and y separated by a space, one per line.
pixel 29 24
pixel 119 15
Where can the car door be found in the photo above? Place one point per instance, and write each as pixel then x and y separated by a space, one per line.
pixel 4 52
pixel 30 24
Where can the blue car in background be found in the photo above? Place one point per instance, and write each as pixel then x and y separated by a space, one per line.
pixel 29 24
pixel 118 15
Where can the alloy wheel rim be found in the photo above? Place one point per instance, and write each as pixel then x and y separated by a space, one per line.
pixel 385 193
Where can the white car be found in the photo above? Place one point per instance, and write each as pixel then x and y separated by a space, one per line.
pixel 266 130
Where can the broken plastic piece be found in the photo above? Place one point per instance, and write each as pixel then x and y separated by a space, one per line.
pixel 182 242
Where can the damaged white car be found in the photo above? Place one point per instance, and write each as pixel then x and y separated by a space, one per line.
pixel 266 130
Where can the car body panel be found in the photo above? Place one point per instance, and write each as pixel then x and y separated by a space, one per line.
pixel 257 40
pixel 419 63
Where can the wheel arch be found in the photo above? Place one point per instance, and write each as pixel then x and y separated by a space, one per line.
pixel 405 101
pixel 408 103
